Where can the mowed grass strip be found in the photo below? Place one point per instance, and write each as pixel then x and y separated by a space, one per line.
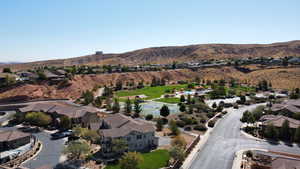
pixel 153 160
pixel 171 100
pixel 150 92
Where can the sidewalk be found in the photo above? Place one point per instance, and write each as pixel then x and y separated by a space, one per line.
pixel 191 157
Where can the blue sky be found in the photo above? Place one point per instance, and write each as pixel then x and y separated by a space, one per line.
pixel 48 29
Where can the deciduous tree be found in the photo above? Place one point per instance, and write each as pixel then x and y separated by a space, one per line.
pixel 77 150
pixel 131 160
pixel 128 107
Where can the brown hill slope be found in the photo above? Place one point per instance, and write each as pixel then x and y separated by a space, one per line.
pixel 176 53
pixel 283 78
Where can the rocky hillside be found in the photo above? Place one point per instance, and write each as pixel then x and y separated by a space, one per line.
pixel 283 78
pixel 176 53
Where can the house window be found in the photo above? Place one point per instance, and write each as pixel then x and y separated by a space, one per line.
pixel 139 137
pixel 128 139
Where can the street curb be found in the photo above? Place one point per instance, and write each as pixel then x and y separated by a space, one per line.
pixel 252 137
pixel 201 143
pixel 40 149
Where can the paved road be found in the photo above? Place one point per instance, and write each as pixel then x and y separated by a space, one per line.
pixel 6 117
pixel 50 153
pixel 226 139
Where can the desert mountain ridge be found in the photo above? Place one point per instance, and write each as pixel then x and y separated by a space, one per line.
pixel 168 54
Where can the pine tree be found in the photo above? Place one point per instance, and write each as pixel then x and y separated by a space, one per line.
pixel 271 132
pixel 137 108
pixel 182 107
pixel 182 98
pixel 164 111
pixel 116 106
pixel 297 135
pixel 214 105
pixel 189 99
pixel 285 133
pixel 128 107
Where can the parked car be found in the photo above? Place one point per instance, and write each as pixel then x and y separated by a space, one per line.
pixel 2 113
pixel 59 135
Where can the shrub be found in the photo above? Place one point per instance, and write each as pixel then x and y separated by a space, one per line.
pixel 210 114
pixel 38 118
pixel 220 116
pixel 203 120
pixel 235 106
pixel 211 123
pixel 167 91
pixel 178 141
pixel 224 112
pixel 164 121
pixel 200 127
pixel 188 128
pixel 149 117
pixel 173 127
pixel 187 120
pixel 180 123
pixel 249 153
pixel 159 124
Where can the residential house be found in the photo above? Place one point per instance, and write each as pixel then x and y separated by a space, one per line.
pixel 93 121
pixel 53 77
pixel 138 134
pixel 13 139
pixel 61 72
pixel 287 108
pixel 26 76
pixel 294 60
pixel 57 109
pixel 278 120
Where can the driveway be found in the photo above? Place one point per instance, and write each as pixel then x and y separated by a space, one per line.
pixel 50 153
pixel 226 139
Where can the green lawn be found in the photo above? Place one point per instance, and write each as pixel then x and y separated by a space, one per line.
pixel 150 92
pixel 171 100
pixel 153 160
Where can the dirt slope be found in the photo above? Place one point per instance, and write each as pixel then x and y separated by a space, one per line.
pixel 283 78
